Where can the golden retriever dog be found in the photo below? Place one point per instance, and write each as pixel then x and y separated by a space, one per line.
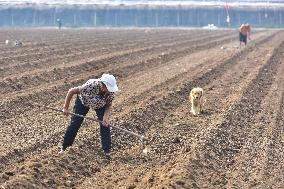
pixel 196 97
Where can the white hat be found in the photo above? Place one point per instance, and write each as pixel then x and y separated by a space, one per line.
pixel 110 82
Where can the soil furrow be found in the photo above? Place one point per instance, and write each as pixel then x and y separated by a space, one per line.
pixel 53 136
pixel 255 153
pixel 216 74
pixel 236 142
pixel 142 95
pixel 56 62
pixel 47 77
pixel 216 156
pixel 72 38
pixel 173 145
pixel 60 49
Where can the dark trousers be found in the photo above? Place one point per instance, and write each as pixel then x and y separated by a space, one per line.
pixel 76 123
pixel 243 38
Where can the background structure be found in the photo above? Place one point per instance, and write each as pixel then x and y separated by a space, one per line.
pixel 138 14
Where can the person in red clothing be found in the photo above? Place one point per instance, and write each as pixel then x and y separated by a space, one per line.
pixel 98 95
pixel 244 33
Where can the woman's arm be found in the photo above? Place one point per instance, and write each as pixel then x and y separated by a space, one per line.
pixel 68 98
pixel 107 115
pixel 249 32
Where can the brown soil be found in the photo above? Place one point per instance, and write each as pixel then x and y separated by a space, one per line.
pixel 237 142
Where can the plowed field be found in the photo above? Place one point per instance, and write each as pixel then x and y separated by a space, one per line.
pixel 237 142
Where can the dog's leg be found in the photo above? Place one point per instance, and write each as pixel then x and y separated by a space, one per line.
pixel 200 108
pixel 194 110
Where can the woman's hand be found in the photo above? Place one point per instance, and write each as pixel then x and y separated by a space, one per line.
pixel 105 121
pixel 68 98
pixel 65 111
pixel 106 116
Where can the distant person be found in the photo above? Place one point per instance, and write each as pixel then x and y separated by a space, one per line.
pixel 244 33
pixel 98 95
pixel 59 23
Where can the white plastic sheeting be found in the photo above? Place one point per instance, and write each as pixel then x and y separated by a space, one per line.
pixel 145 2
